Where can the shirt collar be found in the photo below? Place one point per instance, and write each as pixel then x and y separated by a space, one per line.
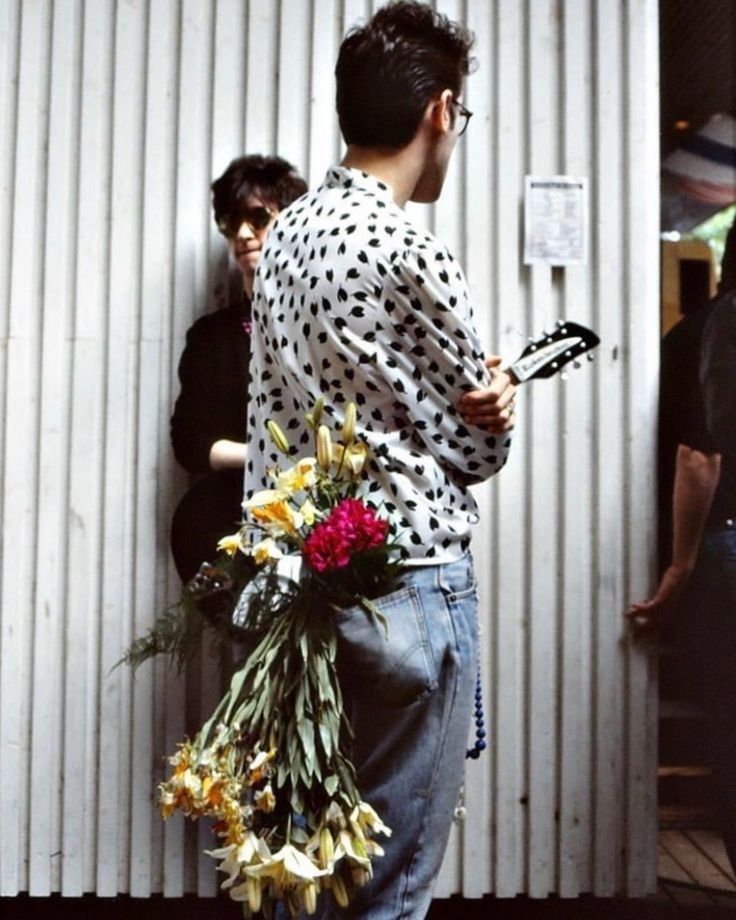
pixel 347 177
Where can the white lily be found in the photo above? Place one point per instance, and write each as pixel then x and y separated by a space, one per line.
pixel 236 856
pixel 288 867
pixel 309 512
pixel 368 821
pixel 298 477
pixel 265 550
pixel 353 848
pixel 264 497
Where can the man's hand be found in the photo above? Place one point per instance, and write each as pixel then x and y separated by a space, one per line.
pixel 491 408
pixel 652 613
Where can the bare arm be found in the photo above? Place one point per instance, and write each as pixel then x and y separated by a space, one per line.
pixel 696 479
pixel 227 455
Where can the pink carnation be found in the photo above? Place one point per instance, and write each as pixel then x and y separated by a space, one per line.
pixel 350 528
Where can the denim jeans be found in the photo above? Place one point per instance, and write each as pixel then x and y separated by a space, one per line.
pixel 713 610
pixel 410 699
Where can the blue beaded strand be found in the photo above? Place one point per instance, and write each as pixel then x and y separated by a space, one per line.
pixel 480 732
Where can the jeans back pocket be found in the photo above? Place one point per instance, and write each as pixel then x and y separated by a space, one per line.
pixel 393 669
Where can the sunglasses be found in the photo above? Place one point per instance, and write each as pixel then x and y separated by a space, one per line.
pixel 257 218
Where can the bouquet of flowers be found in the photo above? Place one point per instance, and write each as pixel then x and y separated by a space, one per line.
pixel 271 764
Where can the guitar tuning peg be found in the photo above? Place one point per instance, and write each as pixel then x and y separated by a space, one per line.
pixel 560 323
pixel 591 356
pixel 564 375
pixel 577 365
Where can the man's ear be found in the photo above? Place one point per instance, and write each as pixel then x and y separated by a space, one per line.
pixel 439 113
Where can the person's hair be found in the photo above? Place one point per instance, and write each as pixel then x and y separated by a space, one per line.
pixel 390 68
pixel 271 178
pixel 728 263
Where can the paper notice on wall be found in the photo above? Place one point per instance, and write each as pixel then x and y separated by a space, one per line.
pixel 555 220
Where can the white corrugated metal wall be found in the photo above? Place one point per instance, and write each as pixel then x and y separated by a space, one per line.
pixel 114 117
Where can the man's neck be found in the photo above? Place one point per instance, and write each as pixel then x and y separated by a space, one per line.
pixel 399 169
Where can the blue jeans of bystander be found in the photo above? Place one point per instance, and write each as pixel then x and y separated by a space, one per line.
pixel 713 613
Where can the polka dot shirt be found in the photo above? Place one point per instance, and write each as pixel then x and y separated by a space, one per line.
pixel 354 302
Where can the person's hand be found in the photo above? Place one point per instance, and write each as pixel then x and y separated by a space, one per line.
pixel 491 408
pixel 652 613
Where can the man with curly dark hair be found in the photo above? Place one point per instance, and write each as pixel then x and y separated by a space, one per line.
pixel 355 303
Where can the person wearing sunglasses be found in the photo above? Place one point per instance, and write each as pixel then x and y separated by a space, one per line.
pixel 209 419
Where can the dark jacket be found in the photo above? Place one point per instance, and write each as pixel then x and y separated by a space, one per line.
pixel 213 371
pixel 212 405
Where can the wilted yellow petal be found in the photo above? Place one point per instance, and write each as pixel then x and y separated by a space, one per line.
pixel 264 799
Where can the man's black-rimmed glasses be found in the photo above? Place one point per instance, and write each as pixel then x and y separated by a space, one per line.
pixel 463 113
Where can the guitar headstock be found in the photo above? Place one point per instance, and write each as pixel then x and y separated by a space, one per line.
pixel 547 355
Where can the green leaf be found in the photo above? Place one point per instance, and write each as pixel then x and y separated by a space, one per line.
pixel 331 783
pixel 326 735
pixel 305 729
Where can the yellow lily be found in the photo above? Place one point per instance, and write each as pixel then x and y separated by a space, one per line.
pixel 278 518
pixel 230 544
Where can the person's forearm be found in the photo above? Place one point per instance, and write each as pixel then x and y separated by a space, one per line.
pixel 227 455
pixel 696 479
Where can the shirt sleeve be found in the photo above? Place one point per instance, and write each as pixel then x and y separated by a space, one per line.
pixel 718 376
pixel 196 412
pixel 433 355
pixel 681 408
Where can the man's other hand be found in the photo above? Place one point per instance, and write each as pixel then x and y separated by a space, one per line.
pixel 491 408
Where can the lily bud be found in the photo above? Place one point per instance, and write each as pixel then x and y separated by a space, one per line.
pixel 309 898
pixel 339 891
pixel 348 426
pixel 324 447
pixel 316 413
pixel 254 893
pixel 277 436
pixel 326 848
